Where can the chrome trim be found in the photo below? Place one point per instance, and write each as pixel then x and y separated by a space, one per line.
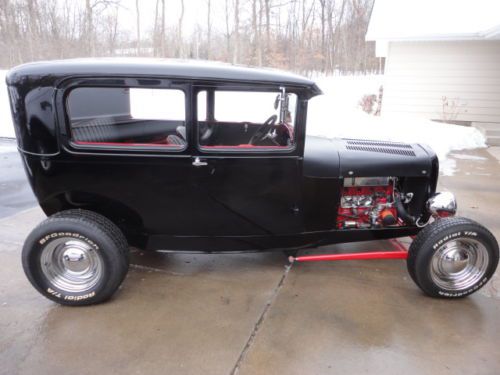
pixel 71 265
pixel 197 162
pixel 442 205
pixel 366 181
pixel 459 264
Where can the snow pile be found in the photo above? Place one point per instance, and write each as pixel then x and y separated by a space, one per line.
pixel 337 114
pixel 6 127
pixel 8 146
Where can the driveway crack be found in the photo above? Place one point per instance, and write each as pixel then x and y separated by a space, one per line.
pixel 260 321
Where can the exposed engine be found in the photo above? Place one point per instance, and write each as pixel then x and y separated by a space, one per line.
pixel 367 202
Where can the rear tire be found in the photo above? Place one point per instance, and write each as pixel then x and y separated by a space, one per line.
pixel 76 257
pixel 452 257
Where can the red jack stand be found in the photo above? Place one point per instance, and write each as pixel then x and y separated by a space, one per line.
pixel 400 253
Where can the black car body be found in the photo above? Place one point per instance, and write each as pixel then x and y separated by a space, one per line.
pixel 203 170
pixel 243 199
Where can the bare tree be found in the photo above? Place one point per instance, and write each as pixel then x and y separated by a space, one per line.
pixel 209 29
pixel 180 52
pixel 111 31
pixel 335 32
pixel 254 31
pixel 299 35
pixel 159 29
pixel 228 34
pixel 268 29
pixel 156 31
pixel 89 28
pixel 323 4
pixel 236 31
pixel 162 34
pixel 138 26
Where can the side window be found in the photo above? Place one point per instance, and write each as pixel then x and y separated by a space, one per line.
pixel 132 117
pixel 246 119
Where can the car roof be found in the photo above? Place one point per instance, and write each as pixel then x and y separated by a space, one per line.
pixel 206 70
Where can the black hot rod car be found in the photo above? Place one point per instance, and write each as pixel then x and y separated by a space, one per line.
pixel 179 155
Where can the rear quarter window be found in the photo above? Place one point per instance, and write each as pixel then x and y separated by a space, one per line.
pixel 127 117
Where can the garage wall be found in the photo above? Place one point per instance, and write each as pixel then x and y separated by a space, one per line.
pixel 420 75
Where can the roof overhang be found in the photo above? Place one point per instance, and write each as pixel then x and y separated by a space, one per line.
pixel 428 20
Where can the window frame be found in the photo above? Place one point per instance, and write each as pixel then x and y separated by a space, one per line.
pixel 197 88
pixel 154 83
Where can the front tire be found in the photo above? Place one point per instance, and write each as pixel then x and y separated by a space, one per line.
pixel 76 257
pixel 453 257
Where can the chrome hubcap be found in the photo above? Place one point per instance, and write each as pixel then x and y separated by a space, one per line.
pixel 71 265
pixel 459 264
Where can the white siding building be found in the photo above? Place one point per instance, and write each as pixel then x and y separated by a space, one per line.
pixel 442 60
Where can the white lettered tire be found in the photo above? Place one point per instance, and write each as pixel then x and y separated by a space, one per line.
pixel 453 257
pixel 76 257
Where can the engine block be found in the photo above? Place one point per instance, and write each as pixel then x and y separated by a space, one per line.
pixel 367 203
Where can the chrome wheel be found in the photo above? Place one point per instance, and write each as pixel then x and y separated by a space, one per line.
pixel 459 264
pixel 71 265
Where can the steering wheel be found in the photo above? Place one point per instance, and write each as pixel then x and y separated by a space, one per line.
pixel 262 131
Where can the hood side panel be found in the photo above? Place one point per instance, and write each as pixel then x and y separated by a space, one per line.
pixel 360 158
pixel 321 158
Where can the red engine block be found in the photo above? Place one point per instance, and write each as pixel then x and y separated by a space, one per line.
pixel 361 204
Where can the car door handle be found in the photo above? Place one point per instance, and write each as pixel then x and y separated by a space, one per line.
pixel 197 162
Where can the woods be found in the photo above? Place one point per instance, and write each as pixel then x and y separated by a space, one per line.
pixel 304 36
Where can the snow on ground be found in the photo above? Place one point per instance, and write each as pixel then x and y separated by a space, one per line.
pixel 337 114
pixel 6 128
pixel 7 146
pixel 467 157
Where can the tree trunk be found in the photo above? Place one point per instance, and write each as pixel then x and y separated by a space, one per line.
pixel 259 36
pixel 335 34
pixel 267 49
pixel 162 33
pixel 323 29
pixel 209 29
pixel 156 32
pixel 180 52
pixel 236 31
pixel 138 24
pixel 254 31
pixel 89 43
pixel 228 34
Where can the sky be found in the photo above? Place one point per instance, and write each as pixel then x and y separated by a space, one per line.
pixel 408 18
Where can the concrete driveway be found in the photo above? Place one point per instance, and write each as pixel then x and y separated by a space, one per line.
pixel 15 192
pixel 255 314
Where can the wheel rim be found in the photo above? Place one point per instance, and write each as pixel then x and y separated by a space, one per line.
pixel 71 265
pixel 459 264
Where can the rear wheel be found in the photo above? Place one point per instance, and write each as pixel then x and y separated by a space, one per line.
pixel 76 257
pixel 453 257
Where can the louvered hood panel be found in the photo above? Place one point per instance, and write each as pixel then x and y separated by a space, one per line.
pixel 335 158
pixel 381 158
pixel 384 147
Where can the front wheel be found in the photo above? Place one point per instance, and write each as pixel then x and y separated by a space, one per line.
pixel 453 257
pixel 76 257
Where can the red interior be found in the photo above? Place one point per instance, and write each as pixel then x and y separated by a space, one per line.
pixel 164 143
pixel 245 145
pixel 156 144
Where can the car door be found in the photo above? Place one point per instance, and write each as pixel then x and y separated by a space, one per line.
pixel 255 188
pixel 127 152
pixel 261 193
